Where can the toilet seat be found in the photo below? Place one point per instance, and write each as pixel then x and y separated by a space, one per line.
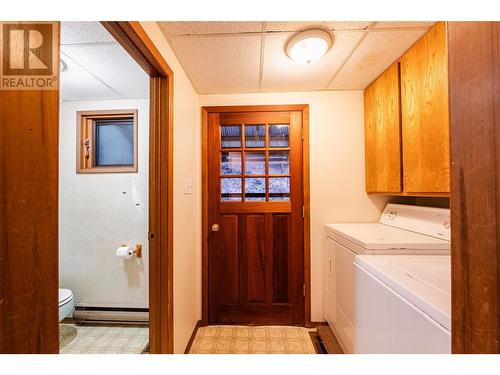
pixel 65 296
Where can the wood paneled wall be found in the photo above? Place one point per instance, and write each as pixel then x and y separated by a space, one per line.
pixel 474 78
pixel 28 222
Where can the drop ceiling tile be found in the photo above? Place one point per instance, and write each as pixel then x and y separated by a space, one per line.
pixel 405 24
pixel 300 25
pixel 84 32
pixel 114 66
pixel 374 54
pixel 280 73
pixel 220 64
pixel 78 84
pixel 220 27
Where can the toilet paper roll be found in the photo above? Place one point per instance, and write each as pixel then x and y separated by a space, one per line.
pixel 124 252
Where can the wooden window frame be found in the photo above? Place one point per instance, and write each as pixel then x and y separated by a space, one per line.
pixel 85 122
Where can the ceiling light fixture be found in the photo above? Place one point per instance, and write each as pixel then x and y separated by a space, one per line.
pixel 309 46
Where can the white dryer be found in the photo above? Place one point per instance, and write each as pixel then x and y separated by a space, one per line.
pixel 403 304
pixel 402 229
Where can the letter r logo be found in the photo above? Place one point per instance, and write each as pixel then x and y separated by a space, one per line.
pixel 28 48
pixel 23 44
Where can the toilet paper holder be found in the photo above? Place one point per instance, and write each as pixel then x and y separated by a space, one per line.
pixel 137 250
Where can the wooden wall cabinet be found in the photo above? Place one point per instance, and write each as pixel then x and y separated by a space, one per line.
pixel 407 122
pixel 425 115
pixel 383 133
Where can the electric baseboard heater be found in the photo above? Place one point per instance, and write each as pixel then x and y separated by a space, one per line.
pixel 96 314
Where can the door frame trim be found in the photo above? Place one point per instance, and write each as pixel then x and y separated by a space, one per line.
pixel 134 39
pixel 304 108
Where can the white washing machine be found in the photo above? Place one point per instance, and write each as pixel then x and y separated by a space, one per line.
pixel 402 229
pixel 403 304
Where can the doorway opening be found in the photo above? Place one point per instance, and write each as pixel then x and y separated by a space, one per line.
pixel 124 142
pixel 103 195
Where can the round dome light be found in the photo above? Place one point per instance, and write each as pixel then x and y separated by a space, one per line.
pixel 309 46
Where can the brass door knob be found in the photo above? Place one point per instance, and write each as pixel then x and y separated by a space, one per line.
pixel 215 228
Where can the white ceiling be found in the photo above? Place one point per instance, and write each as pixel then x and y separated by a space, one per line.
pixel 231 57
pixel 97 66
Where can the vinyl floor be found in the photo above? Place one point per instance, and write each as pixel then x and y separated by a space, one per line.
pixel 102 339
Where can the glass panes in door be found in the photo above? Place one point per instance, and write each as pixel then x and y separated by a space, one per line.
pixel 255 162
pixel 278 136
pixel 255 136
pixel 230 163
pixel 231 136
pixel 257 166
pixel 230 189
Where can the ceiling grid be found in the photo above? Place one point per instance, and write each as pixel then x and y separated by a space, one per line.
pixel 231 57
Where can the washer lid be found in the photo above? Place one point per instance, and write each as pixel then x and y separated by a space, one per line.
pixel 65 295
pixel 374 236
pixel 423 280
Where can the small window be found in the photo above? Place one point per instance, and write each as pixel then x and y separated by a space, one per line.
pixel 107 141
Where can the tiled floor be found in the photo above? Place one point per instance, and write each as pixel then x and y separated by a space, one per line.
pixel 252 340
pixel 100 339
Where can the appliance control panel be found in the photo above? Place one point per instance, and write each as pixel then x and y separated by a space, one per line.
pixel 431 221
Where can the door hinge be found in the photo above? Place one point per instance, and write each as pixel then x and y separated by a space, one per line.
pixel 303 210
pixel 304 289
pixel 151 236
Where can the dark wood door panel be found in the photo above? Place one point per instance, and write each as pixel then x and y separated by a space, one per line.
pixel 257 314
pixel 281 265
pixel 255 255
pixel 228 258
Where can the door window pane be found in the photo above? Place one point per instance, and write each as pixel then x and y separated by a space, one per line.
pixel 230 189
pixel 255 189
pixel 230 136
pixel 114 142
pixel 255 136
pixel 279 188
pixel 278 136
pixel 255 163
pixel 230 163
pixel 279 162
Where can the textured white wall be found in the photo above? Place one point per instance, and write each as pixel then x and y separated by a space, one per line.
pixel 187 208
pixel 337 174
pixel 98 212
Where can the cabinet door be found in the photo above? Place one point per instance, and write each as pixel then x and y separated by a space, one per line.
pixel 383 134
pixel 424 104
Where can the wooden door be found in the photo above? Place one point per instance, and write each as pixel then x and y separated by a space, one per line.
pixel 425 118
pixel 474 58
pixel 255 215
pixel 383 133
pixel 28 207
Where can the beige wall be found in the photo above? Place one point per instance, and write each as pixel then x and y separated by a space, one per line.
pixel 187 208
pixel 336 165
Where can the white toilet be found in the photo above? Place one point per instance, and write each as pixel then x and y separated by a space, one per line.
pixel 66 303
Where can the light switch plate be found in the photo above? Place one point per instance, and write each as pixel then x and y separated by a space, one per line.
pixel 188 186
